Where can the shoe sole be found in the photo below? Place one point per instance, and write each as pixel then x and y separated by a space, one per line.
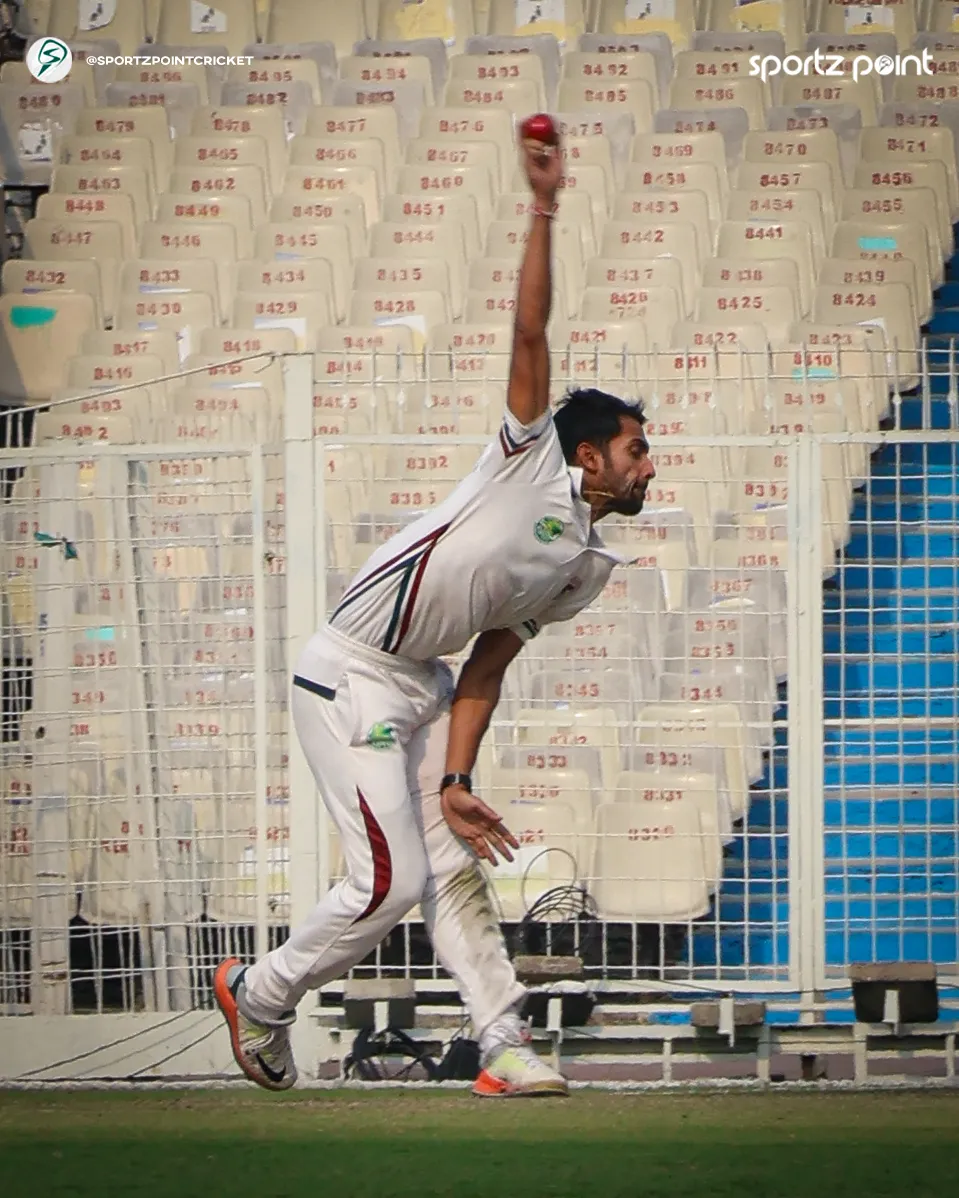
pixel 487 1086
pixel 227 1004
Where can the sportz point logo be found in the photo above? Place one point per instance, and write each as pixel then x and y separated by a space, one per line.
pixel 49 60
pixel 838 66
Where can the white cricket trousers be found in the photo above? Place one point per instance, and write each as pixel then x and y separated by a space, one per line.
pixel 382 792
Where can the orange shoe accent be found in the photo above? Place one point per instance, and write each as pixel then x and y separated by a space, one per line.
pixel 487 1086
pixel 227 1004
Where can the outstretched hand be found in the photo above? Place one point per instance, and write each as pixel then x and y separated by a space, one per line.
pixel 544 169
pixel 471 820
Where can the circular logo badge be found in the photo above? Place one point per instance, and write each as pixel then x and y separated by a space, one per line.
pixel 548 529
pixel 885 65
pixel 49 60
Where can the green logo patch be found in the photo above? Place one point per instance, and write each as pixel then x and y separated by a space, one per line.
pixel 548 529
pixel 381 736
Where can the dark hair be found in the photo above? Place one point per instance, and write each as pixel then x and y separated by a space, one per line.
pixel 587 414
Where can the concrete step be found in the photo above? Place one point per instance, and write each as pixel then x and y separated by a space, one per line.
pixel 887 607
pixel 891 575
pixel 880 639
pixel 886 741
pixel 896 540
pixel 886 706
pixel 865 844
pixel 910 770
pixel 869 803
pixel 852 676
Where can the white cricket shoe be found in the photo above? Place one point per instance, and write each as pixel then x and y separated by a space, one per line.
pixel 511 1069
pixel 262 1051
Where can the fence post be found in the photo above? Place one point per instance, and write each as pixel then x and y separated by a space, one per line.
pixel 260 730
pixel 805 722
pixel 304 521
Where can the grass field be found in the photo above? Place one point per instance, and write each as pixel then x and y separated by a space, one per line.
pixel 369 1145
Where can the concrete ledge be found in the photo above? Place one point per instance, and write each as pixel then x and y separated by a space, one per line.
pixel 540 971
pixel 745 1014
pixel 894 971
pixel 380 1003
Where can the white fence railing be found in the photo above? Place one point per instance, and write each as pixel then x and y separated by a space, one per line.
pixel 154 599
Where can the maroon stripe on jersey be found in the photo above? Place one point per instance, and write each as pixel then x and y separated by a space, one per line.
pixel 511 448
pixel 371 578
pixel 382 861
pixel 414 591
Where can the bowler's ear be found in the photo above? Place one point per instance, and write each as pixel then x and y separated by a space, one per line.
pixel 588 457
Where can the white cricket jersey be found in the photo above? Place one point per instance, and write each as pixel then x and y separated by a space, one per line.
pixel 511 547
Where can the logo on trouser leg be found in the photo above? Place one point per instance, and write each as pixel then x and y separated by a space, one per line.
pixel 381 736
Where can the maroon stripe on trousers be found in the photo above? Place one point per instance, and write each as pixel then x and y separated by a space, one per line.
pixel 382 861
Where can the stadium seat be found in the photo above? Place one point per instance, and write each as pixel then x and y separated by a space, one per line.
pixel 869 235
pixel 137 80
pixel 469 351
pixel 31 275
pixel 869 20
pixel 658 307
pixel 760 16
pixel 301 75
pixel 472 169
pixel 125 24
pixel 366 353
pixel 631 97
pixel 456 126
pixel 230 23
pixel 941 17
pixel 39 334
pixel 101 148
pixel 115 208
pixel 653 862
pixel 113 182
pixel 34 117
pixel 452 21
pixel 298 297
pixel 551 851
pixel 346 122
pixel 416 68
pixel 408 99
pixel 176 99
pixel 910 181
pixel 489 73
pixel 562 19
pixel 149 123
pixel 582 67
pixel 774 207
pixel 677 21
pixel 890 305
pixel 828 92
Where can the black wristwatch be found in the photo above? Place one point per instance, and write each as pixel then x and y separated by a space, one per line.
pixel 463 780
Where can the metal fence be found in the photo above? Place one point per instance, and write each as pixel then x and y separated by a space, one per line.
pixel 759 738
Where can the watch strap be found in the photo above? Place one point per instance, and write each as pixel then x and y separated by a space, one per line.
pixel 463 780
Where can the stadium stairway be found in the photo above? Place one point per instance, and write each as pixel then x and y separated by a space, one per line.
pixel 890 633
pixel 891 619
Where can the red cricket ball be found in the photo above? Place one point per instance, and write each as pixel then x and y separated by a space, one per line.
pixel 541 128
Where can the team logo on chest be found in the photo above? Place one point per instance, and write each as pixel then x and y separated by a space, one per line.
pixel 548 529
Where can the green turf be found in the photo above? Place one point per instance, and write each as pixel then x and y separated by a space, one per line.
pixel 369 1145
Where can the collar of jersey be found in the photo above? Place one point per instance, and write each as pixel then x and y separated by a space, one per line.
pixel 584 514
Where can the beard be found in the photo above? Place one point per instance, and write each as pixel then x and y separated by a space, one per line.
pixel 628 504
